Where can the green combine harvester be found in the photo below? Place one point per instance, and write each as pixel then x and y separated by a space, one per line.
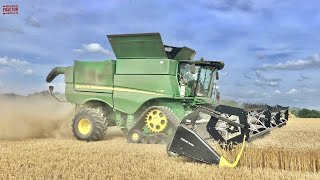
pixel 158 94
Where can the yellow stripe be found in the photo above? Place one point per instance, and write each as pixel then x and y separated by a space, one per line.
pixel 93 87
pixel 78 86
pixel 136 91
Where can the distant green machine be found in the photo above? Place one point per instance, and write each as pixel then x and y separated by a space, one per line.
pixel 146 92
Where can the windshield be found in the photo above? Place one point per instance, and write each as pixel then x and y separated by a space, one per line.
pixel 201 82
pixel 204 87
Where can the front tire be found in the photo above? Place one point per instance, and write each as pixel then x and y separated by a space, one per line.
pixel 88 124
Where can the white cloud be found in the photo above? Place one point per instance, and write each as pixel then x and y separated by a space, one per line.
pixel 225 74
pixel 4 70
pixel 33 21
pixel 28 72
pixel 78 50
pixel 292 91
pixel 266 81
pixel 262 77
pixel 259 83
pixel 247 75
pixel 11 30
pixel 302 78
pixel 312 62
pixel 12 62
pixel 251 92
pixel 242 5
pixel 7 65
pixel 308 90
pixel 273 83
pixel 277 91
pixel 92 48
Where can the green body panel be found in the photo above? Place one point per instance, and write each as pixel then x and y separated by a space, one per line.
pixel 127 92
pixel 176 106
pixel 185 54
pixel 156 85
pixel 146 66
pixel 81 97
pixel 94 76
pixel 83 79
pixel 68 75
pixel 146 46
pixel 129 102
pixel 175 86
pixel 131 91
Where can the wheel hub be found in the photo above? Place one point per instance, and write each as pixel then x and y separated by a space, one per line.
pixel 135 136
pixel 156 121
pixel 84 126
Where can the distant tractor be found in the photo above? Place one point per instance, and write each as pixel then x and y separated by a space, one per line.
pixel 146 92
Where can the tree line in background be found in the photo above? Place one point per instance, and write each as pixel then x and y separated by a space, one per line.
pixel 306 113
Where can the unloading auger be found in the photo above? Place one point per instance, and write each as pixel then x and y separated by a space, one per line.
pixel 227 126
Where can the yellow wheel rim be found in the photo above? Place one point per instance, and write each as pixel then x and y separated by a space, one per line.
pixel 156 121
pixel 135 136
pixel 84 126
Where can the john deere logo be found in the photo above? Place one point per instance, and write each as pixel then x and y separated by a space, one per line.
pixel 187 142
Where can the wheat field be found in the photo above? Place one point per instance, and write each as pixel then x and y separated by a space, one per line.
pixel 37 143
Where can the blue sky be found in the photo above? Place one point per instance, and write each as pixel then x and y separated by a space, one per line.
pixel 270 48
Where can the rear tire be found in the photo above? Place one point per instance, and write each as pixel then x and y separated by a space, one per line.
pixel 88 124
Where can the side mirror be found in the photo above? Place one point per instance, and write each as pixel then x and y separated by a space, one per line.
pixel 217 75
pixel 193 68
pixel 51 88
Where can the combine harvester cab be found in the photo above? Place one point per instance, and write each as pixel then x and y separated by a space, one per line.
pixel 226 125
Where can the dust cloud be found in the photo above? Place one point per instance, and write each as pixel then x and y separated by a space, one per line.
pixel 39 116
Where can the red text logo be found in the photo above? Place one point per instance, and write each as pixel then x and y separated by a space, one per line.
pixel 10 9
